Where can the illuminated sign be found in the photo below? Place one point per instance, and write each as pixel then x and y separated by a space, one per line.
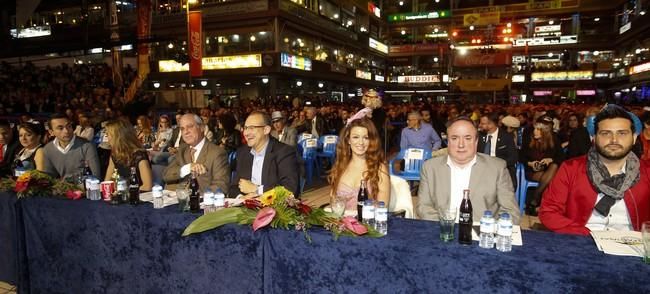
pixel 481 19
pixel 364 75
pixel 419 79
pixel 542 93
pixel 586 92
pixel 294 61
pixel 601 75
pixel 374 9
pixel 419 15
pixel 640 68
pixel 546 29
pixel 561 76
pixel 541 41
pixel 214 63
pixel 379 46
pixel 436 35
pixel 625 28
pixel 31 32
pixel 518 78
pixel 379 78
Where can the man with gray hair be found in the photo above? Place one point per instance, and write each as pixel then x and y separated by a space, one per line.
pixel 206 160
pixel 418 134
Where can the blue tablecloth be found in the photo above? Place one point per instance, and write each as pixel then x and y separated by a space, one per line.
pixel 8 239
pixel 92 247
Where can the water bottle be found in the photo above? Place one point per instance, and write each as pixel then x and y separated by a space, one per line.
pixel 208 202
pixel 19 171
pixel 381 218
pixel 93 189
pixel 219 199
pixel 368 213
pixel 487 230
pixel 157 193
pixel 504 233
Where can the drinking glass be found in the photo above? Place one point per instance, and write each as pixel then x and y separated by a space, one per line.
pixel 645 231
pixel 338 206
pixel 183 196
pixel 447 219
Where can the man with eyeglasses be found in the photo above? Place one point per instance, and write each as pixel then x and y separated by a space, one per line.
pixel 206 160
pixel 606 189
pixel 418 134
pixel 264 162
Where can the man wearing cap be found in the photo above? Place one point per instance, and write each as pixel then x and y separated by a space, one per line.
pixel 281 131
pixel 495 141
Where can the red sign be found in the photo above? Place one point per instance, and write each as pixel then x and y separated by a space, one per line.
pixel 195 38
pixel 480 59
pixel 144 25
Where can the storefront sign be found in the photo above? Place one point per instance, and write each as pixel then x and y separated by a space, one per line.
pixel 542 93
pixel 31 32
pixel 419 16
pixel 482 85
pixel 214 63
pixel 481 19
pixel 379 78
pixel 561 76
pixel 518 78
pixel 546 31
pixel 601 75
pixel 543 5
pixel 626 27
pixel 418 79
pixel 379 46
pixel 542 41
pixel 374 9
pixel 475 58
pixel 195 33
pixel 586 92
pixel 640 68
pixel 361 74
pixel 294 61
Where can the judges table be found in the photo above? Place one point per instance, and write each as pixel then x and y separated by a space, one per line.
pixel 85 246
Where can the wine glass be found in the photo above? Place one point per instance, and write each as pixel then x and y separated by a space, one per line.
pixel 338 206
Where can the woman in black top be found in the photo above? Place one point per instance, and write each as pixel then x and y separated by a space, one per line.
pixel 127 152
pixel 30 156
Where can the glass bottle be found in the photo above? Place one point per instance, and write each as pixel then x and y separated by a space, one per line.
pixel 361 199
pixel 194 194
pixel 134 188
pixel 465 220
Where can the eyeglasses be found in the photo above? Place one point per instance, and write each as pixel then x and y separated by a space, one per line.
pixel 250 128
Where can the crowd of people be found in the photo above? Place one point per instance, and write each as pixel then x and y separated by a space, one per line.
pixel 250 147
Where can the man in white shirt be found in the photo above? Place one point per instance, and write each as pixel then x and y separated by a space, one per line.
pixel 444 178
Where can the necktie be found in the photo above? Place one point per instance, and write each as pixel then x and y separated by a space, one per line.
pixel 2 146
pixel 192 152
pixel 488 145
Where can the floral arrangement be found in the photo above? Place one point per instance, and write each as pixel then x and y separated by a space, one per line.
pixel 280 209
pixel 37 183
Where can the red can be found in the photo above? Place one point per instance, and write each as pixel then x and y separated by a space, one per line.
pixel 107 188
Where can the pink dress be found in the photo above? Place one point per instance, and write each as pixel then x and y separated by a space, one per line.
pixel 349 194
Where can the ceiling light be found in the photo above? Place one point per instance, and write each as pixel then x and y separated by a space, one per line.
pixel 156 85
pixel 265 80
pixel 320 85
pixel 597 19
pixel 403 32
pixel 551 22
pixel 247 83
pixel 204 83
pixel 299 83
pixel 401 3
pixel 550 54
pixel 509 25
pixel 471 28
pixel 596 53
pixel 642 12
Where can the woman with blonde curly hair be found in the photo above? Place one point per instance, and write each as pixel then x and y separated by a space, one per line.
pixel 127 152
pixel 359 157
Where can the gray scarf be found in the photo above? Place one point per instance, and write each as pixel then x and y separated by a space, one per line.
pixel 613 187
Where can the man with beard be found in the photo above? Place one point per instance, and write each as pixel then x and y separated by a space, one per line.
pixel 606 189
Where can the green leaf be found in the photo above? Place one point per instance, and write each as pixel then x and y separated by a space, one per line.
pixel 214 220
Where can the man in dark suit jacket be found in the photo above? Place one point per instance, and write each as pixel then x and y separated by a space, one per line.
pixel 501 145
pixel 208 161
pixel 320 128
pixel 8 147
pixel 264 163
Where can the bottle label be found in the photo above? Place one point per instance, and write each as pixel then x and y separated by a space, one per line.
pixel 381 215
pixel 368 212
pixel 121 185
pixel 505 230
pixel 465 217
pixel 487 226
pixel 93 185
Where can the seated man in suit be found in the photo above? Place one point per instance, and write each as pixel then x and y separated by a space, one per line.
pixel 444 178
pixel 264 162
pixel 208 161
pixel 497 142
pixel 9 145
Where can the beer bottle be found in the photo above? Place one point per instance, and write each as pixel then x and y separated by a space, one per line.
pixel 194 194
pixel 465 220
pixel 134 188
pixel 361 199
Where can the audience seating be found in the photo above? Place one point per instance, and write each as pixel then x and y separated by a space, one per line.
pixel 413 158
pixel 308 148
pixel 327 146
pixel 522 186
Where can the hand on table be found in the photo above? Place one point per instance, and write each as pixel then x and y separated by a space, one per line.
pixel 247 187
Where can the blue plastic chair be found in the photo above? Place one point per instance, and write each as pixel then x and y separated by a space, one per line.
pixel 523 185
pixel 413 160
pixel 327 144
pixel 308 149
pixel 305 136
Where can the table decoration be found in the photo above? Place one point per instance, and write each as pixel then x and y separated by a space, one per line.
pixel 34 183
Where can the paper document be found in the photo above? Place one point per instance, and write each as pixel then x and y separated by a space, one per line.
pixel 625 243
pixel 516 234
pixel 169 197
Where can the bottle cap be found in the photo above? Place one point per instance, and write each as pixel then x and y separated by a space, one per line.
pixel 504 215
pixel 368 202
pixel 382 204
pixel 487 213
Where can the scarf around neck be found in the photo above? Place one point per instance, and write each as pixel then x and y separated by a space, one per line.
pixel 612 187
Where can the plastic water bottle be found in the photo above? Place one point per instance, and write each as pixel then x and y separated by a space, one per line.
pixel 19 171
pixel 208 202
pixel 487 230
pixel 368 213
pixel 219 199
pixel 504 233
pixel 381 218
pixel 157 193
pixel 93 189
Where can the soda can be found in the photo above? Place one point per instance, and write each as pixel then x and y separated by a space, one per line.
pixel 107 188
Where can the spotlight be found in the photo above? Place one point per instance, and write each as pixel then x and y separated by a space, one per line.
pixel 299 83
pixel 265 80
pixel 156 85
pixel 204 83
pixel 320 85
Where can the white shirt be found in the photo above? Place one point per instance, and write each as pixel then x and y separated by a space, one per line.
pixel 185 169
pixel 256 169
pixel 178 140
pixel 493 142
pixel 618 218
pixel 67 148
pixel 459 181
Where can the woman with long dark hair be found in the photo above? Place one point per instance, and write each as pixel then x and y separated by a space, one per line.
pixel 541 158
pixel 359 157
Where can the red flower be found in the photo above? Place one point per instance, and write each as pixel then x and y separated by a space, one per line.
pixel 21 186
pixel 304 208
pixel 74 195
pixel 252 203
pixel 263 218
pixel 353 225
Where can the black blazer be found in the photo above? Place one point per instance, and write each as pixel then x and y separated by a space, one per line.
pixel 579 142
pixel 280 168
pixel 8 159
pixel 321 126
pixel 505 150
